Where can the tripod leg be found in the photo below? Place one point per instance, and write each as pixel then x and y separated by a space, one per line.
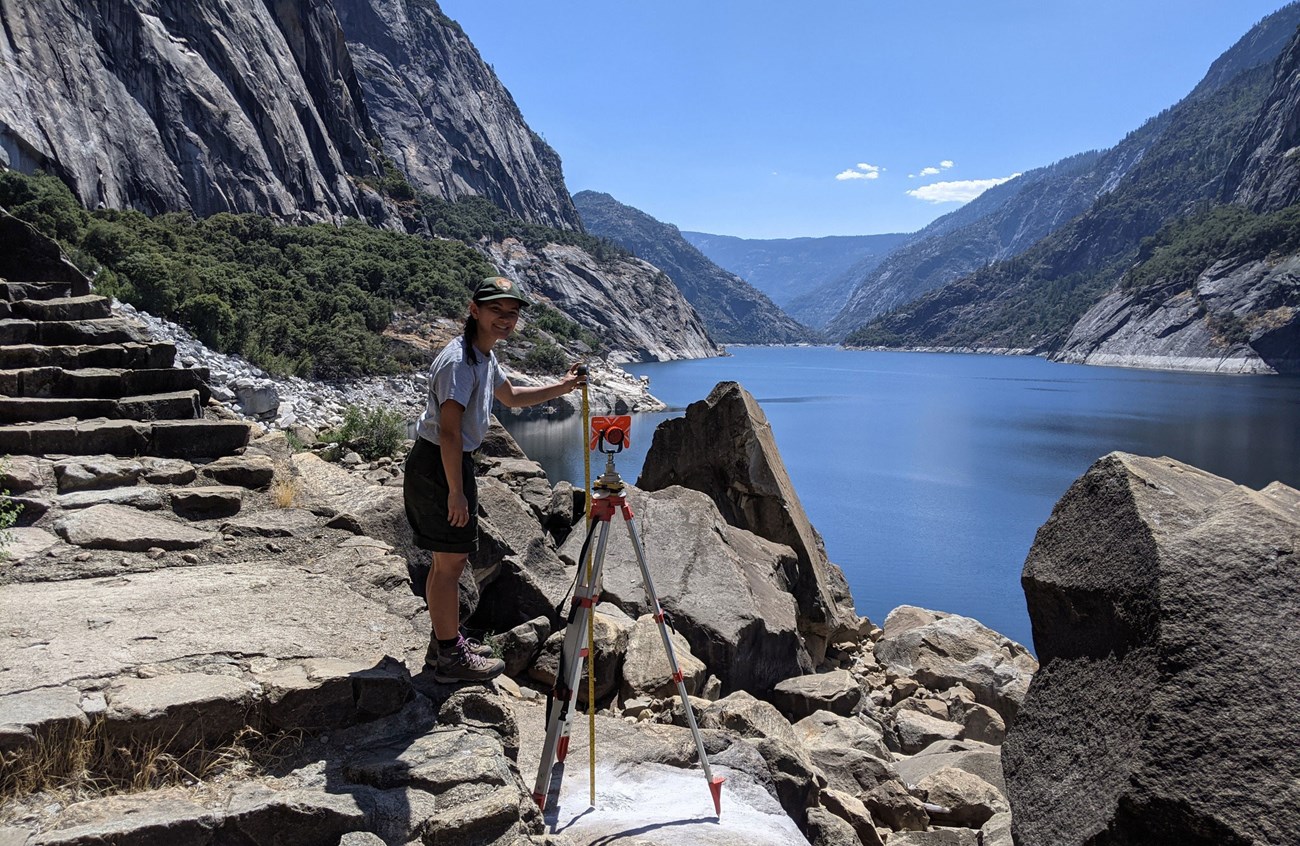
pixel 564 695
pixel 715 784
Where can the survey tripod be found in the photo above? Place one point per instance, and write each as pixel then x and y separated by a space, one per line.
pixel 609 436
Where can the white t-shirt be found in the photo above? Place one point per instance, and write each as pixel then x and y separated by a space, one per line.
pixel 452 377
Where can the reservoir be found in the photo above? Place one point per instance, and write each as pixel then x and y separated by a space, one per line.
pixel 928 474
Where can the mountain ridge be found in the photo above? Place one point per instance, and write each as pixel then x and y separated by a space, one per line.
pixel 971 237
pixel 1063 296
pixel 789 268
pixel 733 310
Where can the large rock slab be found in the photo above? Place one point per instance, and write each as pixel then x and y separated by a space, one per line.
pixel 245 471
pixel 128 529
pixel 519 573
pixel 325 693
pixel 722 587
pixel 252 815
pixel 276 523
pixel 208 501
pixel 848 752
pixel 974 757
pixel 30 716
pixel 101 628
pixel 943 650
pixel 837 691
pixel 180 711
pixel 378 511
pixel 611 628
pixel 142 498
pixel 724 447
pixel 966 799
pixel 22 473
pixel 646 671
pixel 1163 602
pixel 742 714
pixel 96 473
pixel 26 541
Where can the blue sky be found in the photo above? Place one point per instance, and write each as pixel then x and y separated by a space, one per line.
pixel 736 118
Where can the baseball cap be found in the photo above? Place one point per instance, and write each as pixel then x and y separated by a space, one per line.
pixel 499 288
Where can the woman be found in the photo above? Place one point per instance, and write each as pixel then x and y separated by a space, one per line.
pixel 440 491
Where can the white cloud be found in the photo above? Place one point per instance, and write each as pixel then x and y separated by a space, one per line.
pixel 929 171
pixel 957 192
pixel 864 171
pixel 946 163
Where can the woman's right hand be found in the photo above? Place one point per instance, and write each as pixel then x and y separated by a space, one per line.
pixel 457 509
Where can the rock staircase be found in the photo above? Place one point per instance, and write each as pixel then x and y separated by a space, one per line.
pixel 75 380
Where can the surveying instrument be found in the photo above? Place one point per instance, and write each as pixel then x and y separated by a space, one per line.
pixel 608 436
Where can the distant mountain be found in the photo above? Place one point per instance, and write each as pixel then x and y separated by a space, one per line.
pixel 1152 274
pixel 733 310
pixel 787 269
pixel 1002 222
pixel 1007 220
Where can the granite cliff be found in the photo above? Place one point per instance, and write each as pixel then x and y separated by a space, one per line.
pixel 442 115
pixel 201 107
pixel 374 109
pixel 286 109
pixel 634 308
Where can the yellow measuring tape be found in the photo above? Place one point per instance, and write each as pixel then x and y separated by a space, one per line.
pixel 591 617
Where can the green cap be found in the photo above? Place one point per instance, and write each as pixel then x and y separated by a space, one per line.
pixel 500 288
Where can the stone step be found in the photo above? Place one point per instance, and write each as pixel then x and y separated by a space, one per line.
pixel 15 291
pixel 131 355
pixel 198 438
pixel 102 382
pixel 100 437
pixel 176 405
pixel 101 330
pixel 89 307
pixel 164 438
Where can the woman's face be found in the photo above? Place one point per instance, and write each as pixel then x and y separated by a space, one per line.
pixel 496 318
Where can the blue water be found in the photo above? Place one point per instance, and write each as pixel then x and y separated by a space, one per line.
pixel 928 474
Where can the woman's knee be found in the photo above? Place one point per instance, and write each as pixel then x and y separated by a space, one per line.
pixel 449 564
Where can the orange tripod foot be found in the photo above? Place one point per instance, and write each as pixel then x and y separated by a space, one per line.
pixel 715 787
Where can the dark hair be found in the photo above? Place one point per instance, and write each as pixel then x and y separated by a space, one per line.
pixel 471 332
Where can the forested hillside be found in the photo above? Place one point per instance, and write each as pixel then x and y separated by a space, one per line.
pixel 310 300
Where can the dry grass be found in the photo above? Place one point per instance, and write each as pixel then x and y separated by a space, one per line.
pixel 285 491
pixel 85 763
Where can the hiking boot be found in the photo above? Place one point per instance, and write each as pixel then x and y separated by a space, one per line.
pixel 462 665
pixel 478 648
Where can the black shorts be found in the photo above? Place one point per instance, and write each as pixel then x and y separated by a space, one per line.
pixel 425 491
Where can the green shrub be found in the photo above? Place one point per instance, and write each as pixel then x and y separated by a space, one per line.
pixel 9 511
pixel 472 218
pixel 546 357
pixel 294 300
pixel 372 433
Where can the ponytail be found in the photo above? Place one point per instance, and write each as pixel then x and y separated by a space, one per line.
pixel 471 332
